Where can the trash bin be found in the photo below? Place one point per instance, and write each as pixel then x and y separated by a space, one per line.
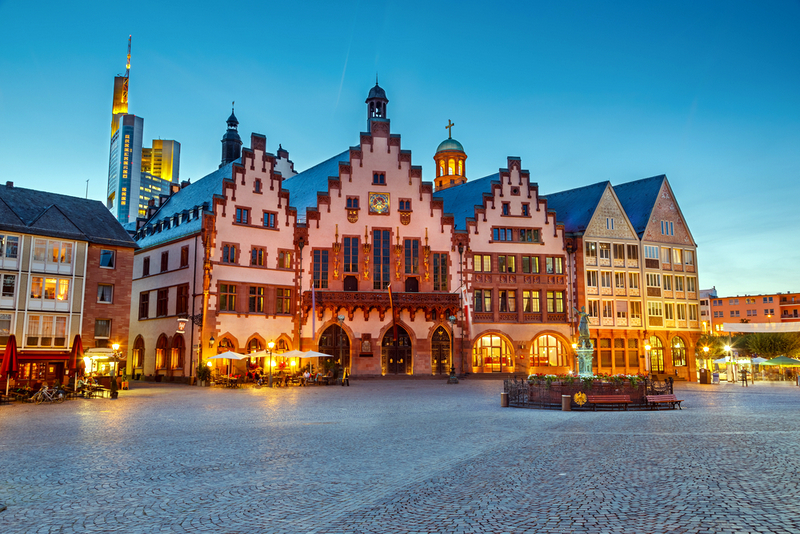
pixel 566 403
pixel 504 400
pixel 705 376
pixel 715 378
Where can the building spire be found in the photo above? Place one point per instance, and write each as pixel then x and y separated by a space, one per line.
pixel 128 64
pixel 449 129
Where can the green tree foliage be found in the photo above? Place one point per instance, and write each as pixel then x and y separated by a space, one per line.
pixel 769 345
pixel 715 346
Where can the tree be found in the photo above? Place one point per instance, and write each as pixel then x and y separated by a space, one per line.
pixel 770 345
pixel 715 346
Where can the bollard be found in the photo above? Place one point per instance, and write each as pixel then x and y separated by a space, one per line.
pixel 566 403
pixel 504 400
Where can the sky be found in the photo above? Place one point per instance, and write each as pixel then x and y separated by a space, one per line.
pixel 707 93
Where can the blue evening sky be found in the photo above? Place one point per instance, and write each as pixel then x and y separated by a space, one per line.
pixel 704 92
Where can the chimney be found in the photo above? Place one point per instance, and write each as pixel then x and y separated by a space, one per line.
pixel 185 183
pixel 9 184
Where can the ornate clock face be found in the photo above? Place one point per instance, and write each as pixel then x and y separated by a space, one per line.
pixel 379 203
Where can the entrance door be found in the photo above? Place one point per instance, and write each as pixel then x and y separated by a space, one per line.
pixel 334 341
pixel 396 357
pixel 54 371
pixel 440 352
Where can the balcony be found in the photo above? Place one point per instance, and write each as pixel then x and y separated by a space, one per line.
pixel 441 303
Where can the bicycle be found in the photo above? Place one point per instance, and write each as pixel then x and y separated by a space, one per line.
pixel 48 395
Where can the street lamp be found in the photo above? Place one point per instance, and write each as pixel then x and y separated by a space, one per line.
pixel 270 346
pixel 453 379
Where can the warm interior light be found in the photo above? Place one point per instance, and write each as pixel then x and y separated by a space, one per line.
pixel 647 347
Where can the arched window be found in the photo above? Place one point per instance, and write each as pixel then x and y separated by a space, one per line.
pixel 176 354
pixel 656 355
pixel 461 168
pixel 548 351
pixel 161 352
pixel 224 345
pixel 492 353
pixel 678 352
pixel 254 345
pixel 138 353
pixel 441 167
pixel 451 165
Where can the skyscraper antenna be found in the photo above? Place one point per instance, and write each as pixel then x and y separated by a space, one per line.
pixel 87 188
pixel 128 64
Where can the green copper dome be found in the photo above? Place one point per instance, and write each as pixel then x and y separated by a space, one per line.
pixel 449 144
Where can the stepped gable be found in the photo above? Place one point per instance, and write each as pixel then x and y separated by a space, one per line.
pixel 638 199
pixel 61 216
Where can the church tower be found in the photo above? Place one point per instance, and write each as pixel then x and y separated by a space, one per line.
pixel 451 161
pixel 231 142
pixel 376 104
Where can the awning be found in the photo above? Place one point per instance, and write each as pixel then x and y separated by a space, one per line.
pixel 42 355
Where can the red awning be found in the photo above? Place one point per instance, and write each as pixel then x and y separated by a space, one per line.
pixel 39 355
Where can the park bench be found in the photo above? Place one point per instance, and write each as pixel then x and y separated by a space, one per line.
pixel 655 400
pixel 620 400
pixel 4 399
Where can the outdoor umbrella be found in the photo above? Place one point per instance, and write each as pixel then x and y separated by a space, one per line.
pixel 10 364
pixel 758 360
pixel 230 355
pixel 722 360
pixel 783 361
pixel 76 362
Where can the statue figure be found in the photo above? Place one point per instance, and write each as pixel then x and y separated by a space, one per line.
pixel 583 326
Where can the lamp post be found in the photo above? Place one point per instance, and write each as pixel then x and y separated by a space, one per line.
pixel 647 348
pixel 453 379
pixel 270 346
pixel 461 304
pixel 114 361
pixel 732 375
pixel 340 320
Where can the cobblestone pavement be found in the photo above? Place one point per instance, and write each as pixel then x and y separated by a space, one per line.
pixel 399 456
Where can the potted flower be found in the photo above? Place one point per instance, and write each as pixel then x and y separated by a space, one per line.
pixel 203 374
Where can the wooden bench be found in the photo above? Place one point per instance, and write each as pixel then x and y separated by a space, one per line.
pixel 623 400
pixel 4 399
pixel 655 400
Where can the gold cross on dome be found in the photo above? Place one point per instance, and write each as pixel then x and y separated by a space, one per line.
pixel 449 129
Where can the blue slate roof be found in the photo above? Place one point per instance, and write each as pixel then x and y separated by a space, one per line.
pixel 191 196
pixel 461 200
pixel 575 207
pixel 638 198
pixel 49 214
pixel 303 187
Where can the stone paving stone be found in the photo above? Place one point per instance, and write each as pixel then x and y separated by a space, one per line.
pixel 399 456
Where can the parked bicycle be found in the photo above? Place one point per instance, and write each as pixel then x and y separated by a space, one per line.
pixel 49 395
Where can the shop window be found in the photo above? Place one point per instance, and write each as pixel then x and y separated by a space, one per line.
pixel 548 351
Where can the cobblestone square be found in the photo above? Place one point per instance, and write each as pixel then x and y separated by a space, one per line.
pixel 409 456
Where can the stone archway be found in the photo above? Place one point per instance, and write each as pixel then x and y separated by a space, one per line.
pixel 334 341
pixel 441 352
pixel 396 356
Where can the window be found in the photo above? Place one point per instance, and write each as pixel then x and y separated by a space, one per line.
pixel 633 280
pixel 653 280
pixel 507 264
pixel 636 309
pixel 679 283
pixel 633 252
pixel 107 259
pixel 622 310
pixel 46 331
pixel 734 313
pixel 555 302
pixel 482 263
pixel 530 264
pixel 146 266
pixel 405 204
pixel 508 300
pixel 608 309
pixel 619 280
pixel 102 328
pixel 185 256
pixel 748 300
pixel 548 351
pixel 633 353
pixel 591 251
pixel 650 252
pixel 678 352
pixel 767 299
pixel 506 208
pixel 669 312
pixel 483 300
pixel 688 257
pixel 227 297
pixel 619 251
pixel 182 305
pixel 667 282
pixel 256 301
pixel 526 210
pixel 270 219
pixel 655 309
pixel 378 178
pixel 257 186
pixel 9 285
pixel 440 272
pixel 164 261
pixel 529 235
pixel 667 228
pixel 503 234
pixel 717 302
pixel 412 255
pixel 144 305
pixel 105 293
pixel 591 278
pixel 50 288
pixel 352 203
pixel 284 259
pixel 609 223
pixel 733 302
pixel 229 254
pixel 243 215
pixel 605 279
pixel 677 256
pixel 9 246
pixel 530 301
pixel 593 308
pixel 283 301
pixel 665 255
pixel 258 256
pixel 351 254
pixel 692 312
pixel 619 352
pixel 321 269
pixel 162 302
pixel 381 245
pixel 604 352
pixel 691 284
pixel 554 265
pixel 605 251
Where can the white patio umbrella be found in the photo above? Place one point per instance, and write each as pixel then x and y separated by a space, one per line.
pixel 758 360
pixel 230 355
